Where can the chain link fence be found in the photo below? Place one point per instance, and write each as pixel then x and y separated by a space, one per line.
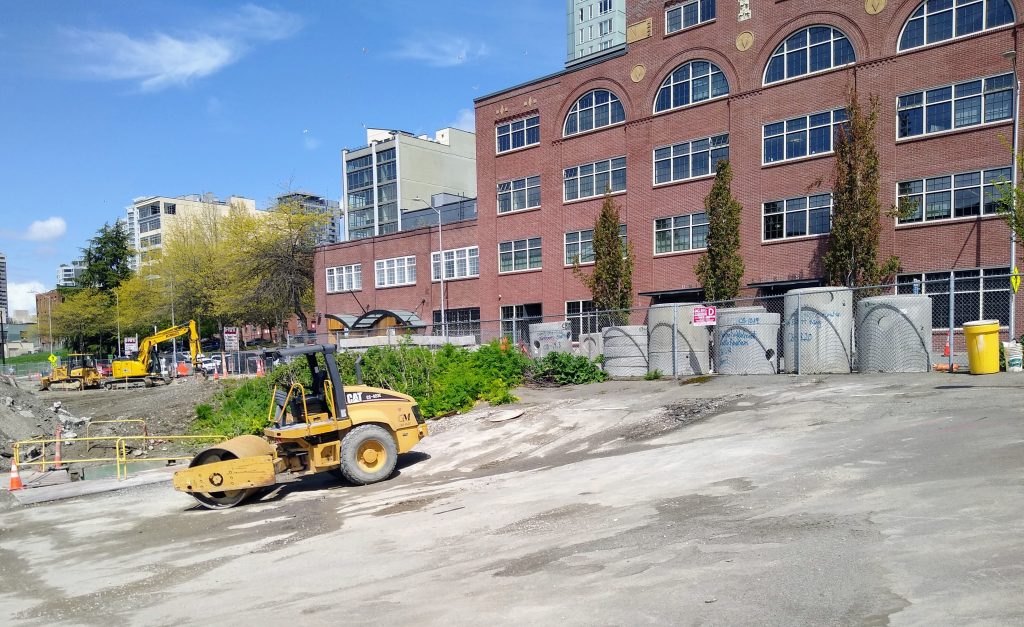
pixel 910 325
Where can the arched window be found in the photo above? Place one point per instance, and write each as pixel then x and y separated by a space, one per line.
pixel 689 84
pixel 809 50
pixel 595 109
pixel 939 20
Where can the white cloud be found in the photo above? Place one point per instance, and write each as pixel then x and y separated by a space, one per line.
pixel 22 295
pixel 160 60
pixel 465 120
pixel 46 230
pixel 440 52
pixel 310 143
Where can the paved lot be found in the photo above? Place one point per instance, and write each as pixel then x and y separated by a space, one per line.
pixel 862 500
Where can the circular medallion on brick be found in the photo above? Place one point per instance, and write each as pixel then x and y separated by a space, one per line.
pixel 874 7
pixel 744 41
pixel 637 73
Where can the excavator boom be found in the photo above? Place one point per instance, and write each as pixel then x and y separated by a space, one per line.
pixel 138 370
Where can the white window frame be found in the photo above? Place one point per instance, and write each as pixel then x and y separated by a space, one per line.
pixel 671 230
pixel 953 100
pixel 781 51
pixel 670 82
pixel 525 245
pixel 593 174
pixel 786 213
pixel 677 150
pixel 837 117
pixel 578 111
pixel 404 266
pixel 459 263
pixel 350 277
pixel 958 3
pixel 586 318
pixel 940 288
pixel 570 261
pixel 953 188
pixel 682 26
pixel 510 188
pixel 529 122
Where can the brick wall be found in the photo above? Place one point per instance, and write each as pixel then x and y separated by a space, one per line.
pixel 879 70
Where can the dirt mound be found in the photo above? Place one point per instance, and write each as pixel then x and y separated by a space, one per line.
pixel 25 416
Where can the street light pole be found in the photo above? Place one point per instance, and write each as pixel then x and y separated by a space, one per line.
pixel 440 254
pixel 117 303
pixel 1011 55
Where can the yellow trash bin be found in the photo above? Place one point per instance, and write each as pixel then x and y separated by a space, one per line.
pixel 982 346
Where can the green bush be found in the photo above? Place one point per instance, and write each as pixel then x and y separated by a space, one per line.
pixel 653 375
pixel 566 369
pixel 238 409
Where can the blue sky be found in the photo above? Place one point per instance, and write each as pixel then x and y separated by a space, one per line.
pixel 103 101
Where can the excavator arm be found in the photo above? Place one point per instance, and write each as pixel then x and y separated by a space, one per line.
pixel 147 344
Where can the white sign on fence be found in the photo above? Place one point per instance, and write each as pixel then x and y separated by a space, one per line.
pixel 705 316
pixel 131 345
pixel 231 338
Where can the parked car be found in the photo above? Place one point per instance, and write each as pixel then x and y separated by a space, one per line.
pixel 209 365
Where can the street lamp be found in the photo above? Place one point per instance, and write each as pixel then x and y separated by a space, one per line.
pixel 440 254
pixel 117 303
pixel 1011 56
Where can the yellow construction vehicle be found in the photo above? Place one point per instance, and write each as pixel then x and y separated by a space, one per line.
pixel 144 370
pixel 76 372
pixel 356 432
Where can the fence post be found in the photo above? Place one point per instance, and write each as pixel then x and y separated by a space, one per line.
pixel 798 335
pixel 675 322
pixel 952 304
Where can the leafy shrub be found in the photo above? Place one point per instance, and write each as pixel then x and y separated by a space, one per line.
pixel 239 409
pixel 566 369
pixel 652 375
pixel 498 394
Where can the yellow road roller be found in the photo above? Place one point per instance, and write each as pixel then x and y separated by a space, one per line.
pixel 356 432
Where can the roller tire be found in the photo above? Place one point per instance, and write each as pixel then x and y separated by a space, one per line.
pixel 355 466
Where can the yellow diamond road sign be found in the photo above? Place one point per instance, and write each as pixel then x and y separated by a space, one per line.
pixel 53 359
pixel 1015 280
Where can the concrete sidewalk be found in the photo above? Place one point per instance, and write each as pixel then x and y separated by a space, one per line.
pixel 41 488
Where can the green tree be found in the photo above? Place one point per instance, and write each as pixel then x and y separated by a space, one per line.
pixel 107 258
pixel 852 255
pixel 85 320
pixel 1011 202
pixel 611 282
pixel 720 269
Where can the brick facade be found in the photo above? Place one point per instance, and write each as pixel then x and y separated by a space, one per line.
pixel 879 70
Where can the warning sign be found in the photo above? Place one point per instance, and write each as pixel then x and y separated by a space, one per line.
pixel 231 338
pixel 705 316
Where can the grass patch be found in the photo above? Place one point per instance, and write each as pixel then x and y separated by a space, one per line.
pixel 704 378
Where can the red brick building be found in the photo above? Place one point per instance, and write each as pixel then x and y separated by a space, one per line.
pixel 766 91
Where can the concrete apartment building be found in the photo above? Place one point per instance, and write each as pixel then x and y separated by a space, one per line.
pixel 764 84
pixel 328 234
pixel 68 273
pixel 148 217
pixel 397 172
pixel 595 27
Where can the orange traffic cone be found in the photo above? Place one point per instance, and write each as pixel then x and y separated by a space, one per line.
pixel 259 367
pixel 16 483
pixel 945 351
pixel 216 374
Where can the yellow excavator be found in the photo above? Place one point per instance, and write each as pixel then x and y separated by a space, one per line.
pixel 76 372
pixel 355 432
pixel 144 370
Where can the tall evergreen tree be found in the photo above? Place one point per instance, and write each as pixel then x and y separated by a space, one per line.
pixel 852 255
pixel 720 269
pixel 611 282
pixel 107 258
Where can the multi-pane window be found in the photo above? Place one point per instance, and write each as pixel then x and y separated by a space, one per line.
pixel 518 133
pixel 690 160
pixel 803 136
pixel 459 263
pixel 966 195
pixel 359 172
pixel 681 233
pixel 956 106
pixel 604 6
pixel 582 317
pixel 605 27
pixel 689 14
pixel 516 321
pixel 520 254
pixel 979 293
pixel 810 50
pixel 797 217
pixel 519 194
pixel 395 271
pixel 579 245
pixel 939 20
pixel 465 321
pixel 689 84
pixel 595 109
pixel 594 179
pixel 345 278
